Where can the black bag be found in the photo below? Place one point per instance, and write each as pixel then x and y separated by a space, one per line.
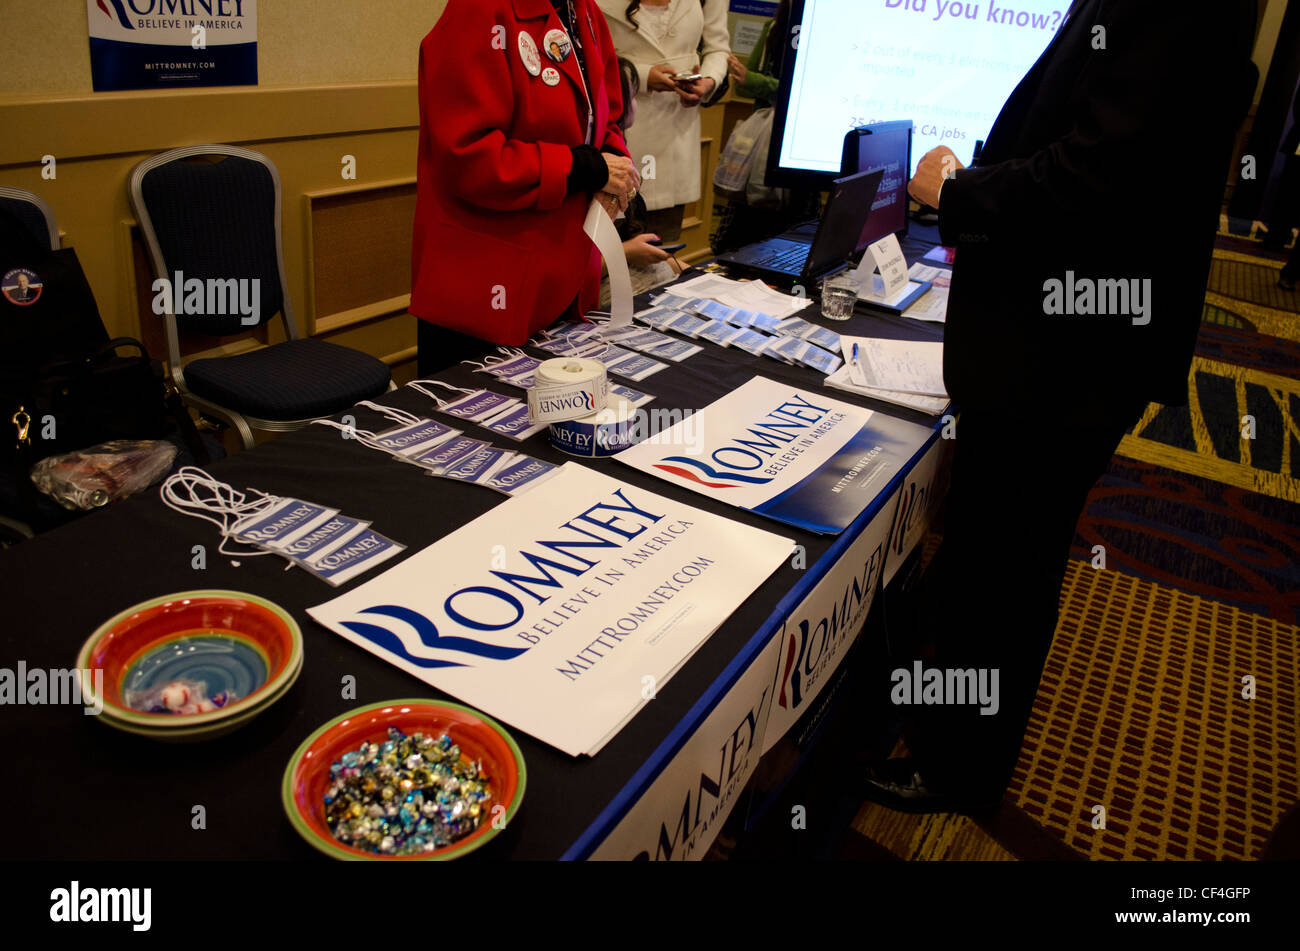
pixel 63 384
pixel 115 392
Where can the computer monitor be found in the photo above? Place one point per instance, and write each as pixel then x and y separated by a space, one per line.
pixel 850 63
pixel 886 147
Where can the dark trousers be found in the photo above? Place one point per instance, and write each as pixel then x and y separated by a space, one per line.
pixel 1291 270
pixel 1286 208
pixel 989 599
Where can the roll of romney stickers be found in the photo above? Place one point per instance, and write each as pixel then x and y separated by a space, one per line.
pixel 567 388
pixel 601 434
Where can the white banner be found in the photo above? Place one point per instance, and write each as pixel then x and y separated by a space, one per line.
pixel 561 611
pixel 679 816
pixel 820 631
pixel 799 457
pixel 918 500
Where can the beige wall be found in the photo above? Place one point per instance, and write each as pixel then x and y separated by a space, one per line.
pixel 336 78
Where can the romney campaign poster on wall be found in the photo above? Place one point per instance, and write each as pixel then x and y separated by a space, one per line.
pixel 172 44
pixel 798 457
pixel 561 612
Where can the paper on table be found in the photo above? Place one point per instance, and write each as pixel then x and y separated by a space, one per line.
pixel 886 255
pixel 746 295
pixel 841 379
pixel 939 276
pixel 932 306
pixel 600 229
pixel 908 366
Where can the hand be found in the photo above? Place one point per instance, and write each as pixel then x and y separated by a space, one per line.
pixel 736 68
pixel 624 179
pixel 611 204
pixel 641 253
pixel 661 79
pixel 693 93
pixel 935 166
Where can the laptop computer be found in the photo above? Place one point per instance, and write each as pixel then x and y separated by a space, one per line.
pixel 791 258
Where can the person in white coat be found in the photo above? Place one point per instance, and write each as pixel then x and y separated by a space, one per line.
pixel 665 39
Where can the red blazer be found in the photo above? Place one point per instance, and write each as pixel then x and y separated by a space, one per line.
pixel 499 251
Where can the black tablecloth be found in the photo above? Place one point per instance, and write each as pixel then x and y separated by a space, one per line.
pixel 75 788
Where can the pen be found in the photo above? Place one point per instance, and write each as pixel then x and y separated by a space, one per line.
pixel 855 353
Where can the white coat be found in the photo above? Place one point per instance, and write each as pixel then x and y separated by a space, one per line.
pixel 664 129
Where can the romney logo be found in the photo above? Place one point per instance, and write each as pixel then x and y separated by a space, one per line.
pixel 709 471
pixel 121 13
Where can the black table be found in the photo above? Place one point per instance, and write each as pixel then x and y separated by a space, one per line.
pixel 78 789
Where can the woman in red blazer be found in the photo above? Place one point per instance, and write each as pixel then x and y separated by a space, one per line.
pixel 519 109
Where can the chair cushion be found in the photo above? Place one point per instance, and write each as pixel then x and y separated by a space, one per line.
pixel 297 379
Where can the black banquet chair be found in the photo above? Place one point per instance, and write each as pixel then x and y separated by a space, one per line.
pixel 36 216
pixel 212 213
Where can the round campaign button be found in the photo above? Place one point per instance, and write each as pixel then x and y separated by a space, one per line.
pixel 558 46
pixel 528 53
pixel 551 76
pixel 21 286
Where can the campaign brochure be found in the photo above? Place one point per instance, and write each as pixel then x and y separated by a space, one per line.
pixel 795 456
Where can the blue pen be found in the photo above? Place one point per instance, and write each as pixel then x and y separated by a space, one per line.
pixel 855 353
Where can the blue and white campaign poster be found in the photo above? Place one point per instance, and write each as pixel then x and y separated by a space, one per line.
pixel 680 815
pixel 823 626
pixel 918 501
pixel 172 44
pixel 799 457
pixel 561 611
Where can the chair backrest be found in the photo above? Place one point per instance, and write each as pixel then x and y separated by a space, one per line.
pixel 211 213
pixel 36 216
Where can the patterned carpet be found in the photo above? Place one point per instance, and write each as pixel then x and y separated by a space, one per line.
pixel 1141 708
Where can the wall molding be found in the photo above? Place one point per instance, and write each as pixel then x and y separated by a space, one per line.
pixel 105 124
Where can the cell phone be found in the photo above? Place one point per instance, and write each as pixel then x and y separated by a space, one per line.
pixel 687 77
pixel 670 248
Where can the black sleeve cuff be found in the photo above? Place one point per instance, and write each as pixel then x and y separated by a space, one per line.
pixel 589 172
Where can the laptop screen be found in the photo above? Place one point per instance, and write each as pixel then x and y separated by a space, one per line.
pixel 842 223
pixel 886 146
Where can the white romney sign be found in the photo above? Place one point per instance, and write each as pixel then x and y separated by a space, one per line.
pixel 561 611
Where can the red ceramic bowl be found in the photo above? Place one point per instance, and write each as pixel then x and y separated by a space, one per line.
pixel 257 624
pixel 307 776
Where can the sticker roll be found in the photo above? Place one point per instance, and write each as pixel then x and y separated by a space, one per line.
pixel 567 388
pixel 599 435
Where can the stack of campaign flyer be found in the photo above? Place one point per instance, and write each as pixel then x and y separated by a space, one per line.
pixel 561 612
pixel 798 457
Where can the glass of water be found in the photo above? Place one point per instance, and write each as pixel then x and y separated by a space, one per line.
pixel 839 295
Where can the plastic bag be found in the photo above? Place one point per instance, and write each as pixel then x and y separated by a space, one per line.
pixel 96 476
pixel 737 159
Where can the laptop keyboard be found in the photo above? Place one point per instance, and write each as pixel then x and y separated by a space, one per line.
pixel 790 260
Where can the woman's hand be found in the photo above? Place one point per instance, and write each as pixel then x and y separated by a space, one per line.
pixel 736 68
pixel 641 253
pixel 693 93
pixel 661 79
pixel 623 178
pixel 611 204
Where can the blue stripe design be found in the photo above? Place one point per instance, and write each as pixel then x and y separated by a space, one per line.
pixel 649 771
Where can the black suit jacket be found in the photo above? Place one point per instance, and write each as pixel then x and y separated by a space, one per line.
pixel 1111 164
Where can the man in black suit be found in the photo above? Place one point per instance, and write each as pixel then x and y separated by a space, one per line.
pixel 1065 319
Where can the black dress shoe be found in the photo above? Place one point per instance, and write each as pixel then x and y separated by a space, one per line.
pixel 898 784
pixel 1286 283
